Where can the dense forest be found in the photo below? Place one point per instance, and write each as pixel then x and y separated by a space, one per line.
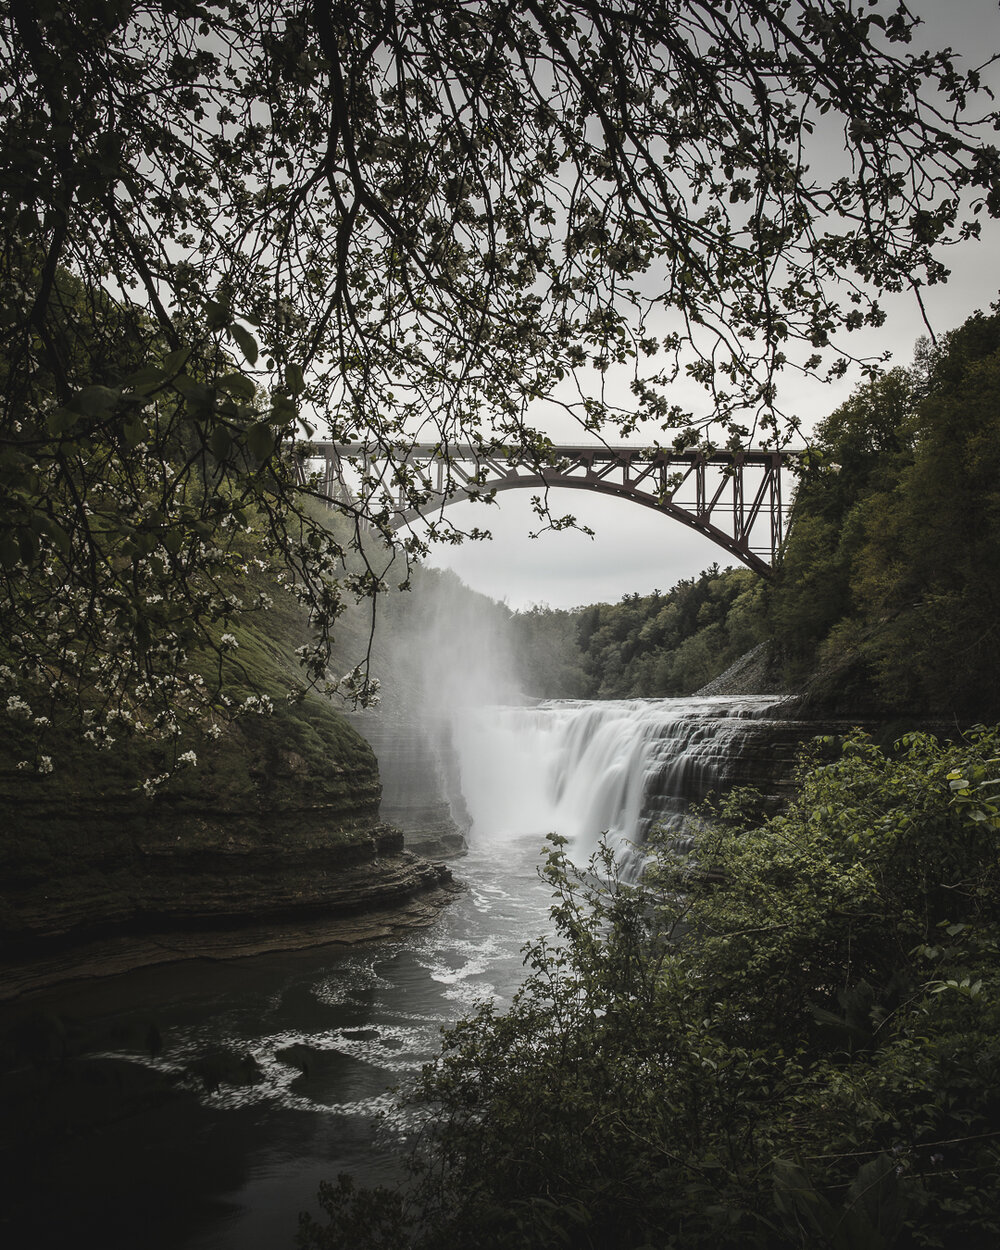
pixel 890 574
pixel 646 646
pixel 886 594
pixel 225 222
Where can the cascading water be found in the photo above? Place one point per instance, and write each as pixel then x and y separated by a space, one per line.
pixel 456 738
pixel 325 1030
pixel 581 769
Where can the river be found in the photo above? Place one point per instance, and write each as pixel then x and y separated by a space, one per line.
pixel 314 1038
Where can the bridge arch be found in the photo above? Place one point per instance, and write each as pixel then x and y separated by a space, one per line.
pixel 738 500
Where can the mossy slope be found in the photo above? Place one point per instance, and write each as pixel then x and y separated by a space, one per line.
pixel 278 819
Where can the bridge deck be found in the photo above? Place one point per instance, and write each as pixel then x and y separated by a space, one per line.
pixel 588 451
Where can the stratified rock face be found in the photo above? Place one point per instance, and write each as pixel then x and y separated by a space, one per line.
pixel 420 792
pixel 279 820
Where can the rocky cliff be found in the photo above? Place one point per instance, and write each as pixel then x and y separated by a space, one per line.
pixel 277 827
pixel 418 769
pixel 273 839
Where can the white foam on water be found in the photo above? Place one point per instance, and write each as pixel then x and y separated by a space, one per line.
pixel 583 769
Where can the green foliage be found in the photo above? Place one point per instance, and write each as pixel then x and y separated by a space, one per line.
pixel 550 664
pixel 142 497
pixel 467 211
pixel 652 646
pixel 156 830
pixel 927 571
pixel 791 1039
pixel 86 802
pixel 887 593
pixel 859 448
pixel 889 578
pixel 195 260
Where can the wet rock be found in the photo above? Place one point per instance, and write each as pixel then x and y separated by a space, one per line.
pixel 224 1067
pixel 331 1076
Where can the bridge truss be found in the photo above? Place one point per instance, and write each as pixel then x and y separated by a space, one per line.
pixel 740 500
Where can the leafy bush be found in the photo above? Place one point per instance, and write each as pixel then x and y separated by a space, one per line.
pixel 789 1039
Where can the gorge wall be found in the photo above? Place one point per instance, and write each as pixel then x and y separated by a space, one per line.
pixel 421 793
pixel 276 828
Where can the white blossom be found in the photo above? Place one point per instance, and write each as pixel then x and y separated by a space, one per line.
pixel 259 703
pixel 152 784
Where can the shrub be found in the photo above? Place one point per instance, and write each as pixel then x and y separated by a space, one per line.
pixel 790 1039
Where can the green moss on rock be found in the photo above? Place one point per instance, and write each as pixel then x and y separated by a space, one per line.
pixel 278 818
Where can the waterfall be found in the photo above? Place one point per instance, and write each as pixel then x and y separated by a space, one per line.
pixel 581 769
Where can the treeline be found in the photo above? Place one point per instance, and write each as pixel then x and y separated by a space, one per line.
pixel 890 582
pixel 888 590
pixel 657 645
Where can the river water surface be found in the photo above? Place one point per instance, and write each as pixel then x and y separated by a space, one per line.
pixel 324 1033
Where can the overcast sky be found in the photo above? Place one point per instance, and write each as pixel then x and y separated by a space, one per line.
pixel 634 549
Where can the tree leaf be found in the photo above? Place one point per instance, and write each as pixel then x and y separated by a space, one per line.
pixel 97 401
pixel 10 553
pixel 58 535
pixel 145 380
pixel 217 315
pixel 221 442
pixel 176 361
pixel 283 410
pixel 59 420
pixel 294 379
pixel 134 431
pixel 238 384
pixel 260 440
pixel 27 542
pixel 246 341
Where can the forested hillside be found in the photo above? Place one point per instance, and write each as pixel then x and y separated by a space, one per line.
pixel 656 645
pixel 890 583
pixel 887 594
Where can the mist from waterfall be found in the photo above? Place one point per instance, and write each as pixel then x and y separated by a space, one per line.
pixel 508 767
pixel 441 652
pixel 442 646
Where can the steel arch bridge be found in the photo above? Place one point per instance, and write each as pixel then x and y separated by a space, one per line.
pixel 740 500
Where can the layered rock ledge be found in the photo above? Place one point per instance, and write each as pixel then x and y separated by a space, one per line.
pixel 241 905
pixel 273 842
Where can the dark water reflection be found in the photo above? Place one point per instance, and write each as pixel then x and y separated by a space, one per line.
pixel 112 1155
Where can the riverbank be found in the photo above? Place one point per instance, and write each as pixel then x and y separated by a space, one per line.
pixel 274 840
pixel 412 893
pixel 199 1104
